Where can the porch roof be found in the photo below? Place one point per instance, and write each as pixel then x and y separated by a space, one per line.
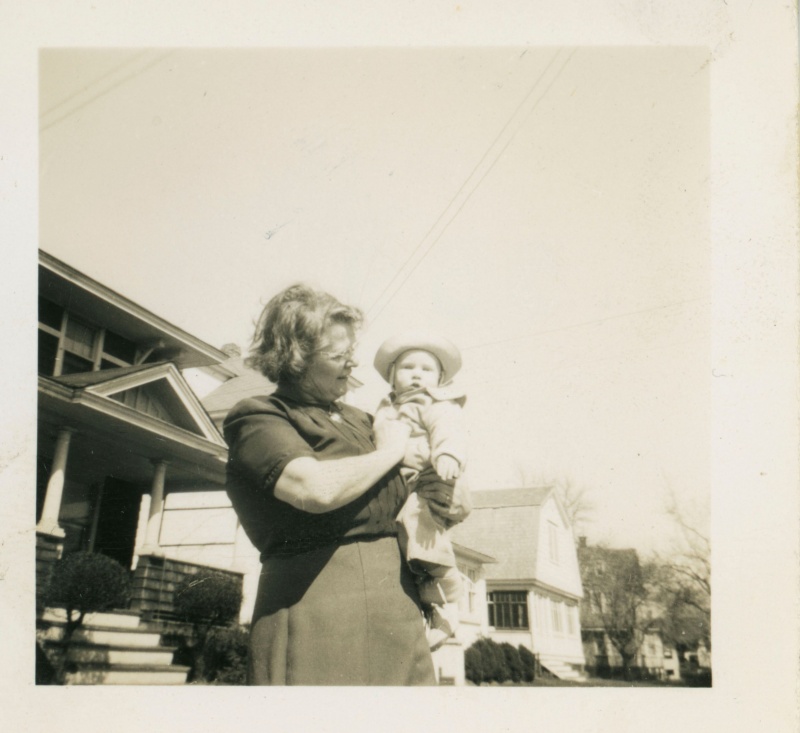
pixel 113 438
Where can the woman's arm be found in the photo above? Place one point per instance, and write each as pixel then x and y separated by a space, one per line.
pixel 321 486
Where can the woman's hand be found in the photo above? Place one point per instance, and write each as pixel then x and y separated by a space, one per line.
pixel 391 435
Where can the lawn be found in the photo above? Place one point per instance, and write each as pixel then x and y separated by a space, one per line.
pixel 591 682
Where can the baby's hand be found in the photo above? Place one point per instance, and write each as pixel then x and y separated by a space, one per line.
pixel 447 467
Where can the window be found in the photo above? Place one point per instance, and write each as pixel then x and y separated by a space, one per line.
pixel 539 614
pixel 69 345
pixel 553 541
pixel 48 350
pixel 119 349
pixel 508 609
pixel 555 612
pixel 470 596
pixel 50 314
pixel 571 620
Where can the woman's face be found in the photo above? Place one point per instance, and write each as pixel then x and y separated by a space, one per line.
pixel 326 378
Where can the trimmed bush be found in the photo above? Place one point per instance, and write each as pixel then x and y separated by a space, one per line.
pixel 208 598
pixel 528 661
pixel 473 665
pixel 487 662
pixel 205 600
pixel 84 582
pixel 512 661
pixel 225 655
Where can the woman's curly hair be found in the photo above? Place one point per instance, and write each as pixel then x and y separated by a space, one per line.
pixel 289 331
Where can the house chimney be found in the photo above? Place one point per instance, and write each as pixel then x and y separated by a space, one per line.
pixel 232 350
pixel 582 541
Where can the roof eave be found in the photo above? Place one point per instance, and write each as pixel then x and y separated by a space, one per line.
pixel 195 351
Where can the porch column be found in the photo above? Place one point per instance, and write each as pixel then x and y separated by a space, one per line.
pixel 48 523
pixel 150 546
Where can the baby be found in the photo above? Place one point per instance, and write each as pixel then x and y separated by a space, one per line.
pixel 419 368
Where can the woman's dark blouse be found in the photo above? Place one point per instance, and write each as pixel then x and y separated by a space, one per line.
pixel 266 433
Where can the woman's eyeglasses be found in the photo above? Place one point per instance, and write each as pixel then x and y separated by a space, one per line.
pixel 339 356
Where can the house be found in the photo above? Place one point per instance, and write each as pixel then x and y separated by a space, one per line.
pixel 118 426
pixel 616 607
pixel 533 589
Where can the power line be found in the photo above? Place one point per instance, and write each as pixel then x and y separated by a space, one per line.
pixel 465 184
pixel 128 61
pixel 584 323
pixel 102 92
pixel 562 367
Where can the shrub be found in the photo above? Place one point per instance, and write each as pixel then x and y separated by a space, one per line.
pixel 473 665
pixel 84 582
pixel 697 678
pixel 225 655
pixel 512 661
pixel 493 665
pixel 208 598
pixel 204 600
pixel 528 662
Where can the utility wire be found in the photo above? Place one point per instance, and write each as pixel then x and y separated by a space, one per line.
pixel 464 185
pixel 562 367
pixel 102 92
pixel 95 82
pixel 584 323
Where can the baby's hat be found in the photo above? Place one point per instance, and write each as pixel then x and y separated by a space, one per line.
pixel 445 351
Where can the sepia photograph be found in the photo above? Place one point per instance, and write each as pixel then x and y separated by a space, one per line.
pixel 422 372
pixel 528 225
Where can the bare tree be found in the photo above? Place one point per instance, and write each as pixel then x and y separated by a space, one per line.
pixel 615 599
pixel 681 580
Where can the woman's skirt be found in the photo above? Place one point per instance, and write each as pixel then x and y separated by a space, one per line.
pixel 342 615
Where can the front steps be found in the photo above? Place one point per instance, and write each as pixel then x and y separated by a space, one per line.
pixel 563 671
pixel 112 649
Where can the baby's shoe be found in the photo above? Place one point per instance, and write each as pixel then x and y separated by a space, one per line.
pixel 431 593
pixel 442 622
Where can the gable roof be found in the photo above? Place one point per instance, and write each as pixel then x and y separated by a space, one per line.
pixel 87 379
pixel 246 383
pixel 155 390
pixel 504 523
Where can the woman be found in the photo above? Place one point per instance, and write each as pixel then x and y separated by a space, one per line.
pixel 317 488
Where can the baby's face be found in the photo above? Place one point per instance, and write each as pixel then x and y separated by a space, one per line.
pixel 415 369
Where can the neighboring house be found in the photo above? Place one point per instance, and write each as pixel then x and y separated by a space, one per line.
pixel 614 595
pixel 533 590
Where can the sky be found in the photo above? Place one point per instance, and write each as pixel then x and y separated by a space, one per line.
pixel 544 208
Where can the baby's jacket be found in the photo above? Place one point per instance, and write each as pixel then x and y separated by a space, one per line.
pixel 437 426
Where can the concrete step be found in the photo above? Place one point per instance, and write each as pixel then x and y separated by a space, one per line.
pixel 119 636
pixel 107 619
pixel 116 654
pixel 563 671
pixel 89 673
